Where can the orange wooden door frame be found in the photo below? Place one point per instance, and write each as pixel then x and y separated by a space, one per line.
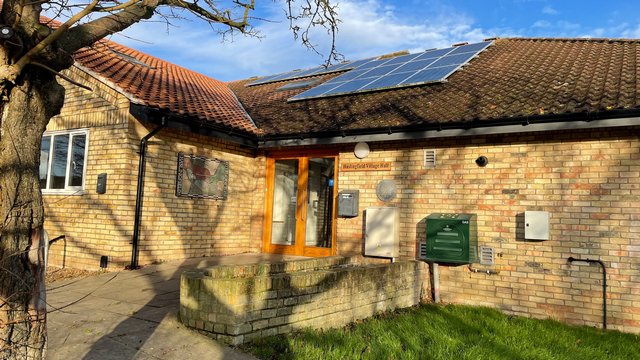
pixel 299 247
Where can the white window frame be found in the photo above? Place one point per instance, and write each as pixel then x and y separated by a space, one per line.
pixel 68 190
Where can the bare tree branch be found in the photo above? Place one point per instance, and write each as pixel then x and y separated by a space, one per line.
pixel 215 15
pixel 11 72
pixel 61 75
pixel 88 33
pixel 315 13
pixel 116 7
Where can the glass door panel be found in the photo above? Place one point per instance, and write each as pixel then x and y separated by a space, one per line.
pixel 300 206
pixel 319 215
pixel 285 194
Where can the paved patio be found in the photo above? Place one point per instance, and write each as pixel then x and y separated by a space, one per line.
pixel 133 314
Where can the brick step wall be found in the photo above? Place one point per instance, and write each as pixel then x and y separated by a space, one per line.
pixel 236 304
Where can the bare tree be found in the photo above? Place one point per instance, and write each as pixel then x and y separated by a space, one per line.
pixel 32 53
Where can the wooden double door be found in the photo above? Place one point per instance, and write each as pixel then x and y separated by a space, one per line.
pixel 300 207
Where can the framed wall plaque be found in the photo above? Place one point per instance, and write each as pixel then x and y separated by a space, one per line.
pixel 200 177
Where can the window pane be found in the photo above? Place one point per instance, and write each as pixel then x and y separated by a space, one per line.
pixel 59 161
pixel 319 226
pixel 76 168
pixel 285 191
pixel 45 146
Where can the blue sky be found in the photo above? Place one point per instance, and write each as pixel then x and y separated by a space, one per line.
pixel 374 27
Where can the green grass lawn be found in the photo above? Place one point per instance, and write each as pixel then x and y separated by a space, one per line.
pixel 451 332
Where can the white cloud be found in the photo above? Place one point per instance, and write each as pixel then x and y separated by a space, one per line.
pixel 541 24
pixel 367 28
pixel 632 33
pixel 562 28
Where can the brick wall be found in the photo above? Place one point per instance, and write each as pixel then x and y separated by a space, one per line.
pixel 172 228
pixel 589 182
pixel 178 227
pixel 236 304
pixel 94 224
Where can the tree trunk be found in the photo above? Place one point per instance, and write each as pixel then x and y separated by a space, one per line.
pixel 31 103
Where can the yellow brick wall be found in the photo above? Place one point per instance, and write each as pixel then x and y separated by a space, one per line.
pixel 172 228
pixel 94 224
pixel 100 106
pixel 178 227
pixel 588 181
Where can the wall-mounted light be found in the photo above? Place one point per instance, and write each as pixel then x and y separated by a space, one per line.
pixel 361 150
pixel 6 32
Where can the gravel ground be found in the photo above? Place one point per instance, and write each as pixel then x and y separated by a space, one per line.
pixel 55 274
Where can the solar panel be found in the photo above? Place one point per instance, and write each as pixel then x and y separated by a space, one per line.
pixel 406 70
pixel 321 89
pixel 352 74
pixel 298 84
pixel 470 48
pixel 413 65
pixel 402 59
pixel 430 54
pixel 372 63
pixel 388 80
pixel 320 70
pixel 350 86
pixel 430 75
pixel 379 71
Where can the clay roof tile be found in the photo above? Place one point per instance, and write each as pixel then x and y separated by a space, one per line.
pixel 513 78
pixel 162 85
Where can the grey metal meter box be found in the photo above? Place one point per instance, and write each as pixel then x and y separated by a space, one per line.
pixel 452 238
pixel 348 203
pixel 536 225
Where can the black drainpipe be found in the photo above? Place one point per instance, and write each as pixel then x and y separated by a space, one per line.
pixel 140 193
pixel 604 286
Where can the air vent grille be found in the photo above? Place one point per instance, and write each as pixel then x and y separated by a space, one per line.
pixel 430 158
pixel 422 250
pixel 486 255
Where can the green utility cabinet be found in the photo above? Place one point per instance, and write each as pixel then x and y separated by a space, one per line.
pixel 452 238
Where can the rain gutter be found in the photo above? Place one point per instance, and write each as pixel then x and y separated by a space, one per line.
pixel 473 128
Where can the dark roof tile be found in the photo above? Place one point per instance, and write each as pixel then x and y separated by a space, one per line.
pixel 513 78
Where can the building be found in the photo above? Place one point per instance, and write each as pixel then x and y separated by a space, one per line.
pixel 515 125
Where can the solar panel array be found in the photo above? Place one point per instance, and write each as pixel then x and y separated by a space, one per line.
pixel 296 74
pixel 401 71
pixel 298 84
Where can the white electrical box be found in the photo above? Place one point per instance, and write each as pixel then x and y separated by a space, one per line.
pixel 536 225
pixel 381 236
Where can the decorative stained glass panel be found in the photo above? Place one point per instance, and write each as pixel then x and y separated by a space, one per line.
pixel 200 177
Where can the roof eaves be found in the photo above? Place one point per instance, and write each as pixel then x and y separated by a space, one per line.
pixel 620 118
pixel 110 84
pixel 193 125
pixel 135 100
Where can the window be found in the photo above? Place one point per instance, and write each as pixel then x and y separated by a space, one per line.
pixel 63 160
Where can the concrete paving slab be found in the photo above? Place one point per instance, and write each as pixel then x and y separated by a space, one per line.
pixel 132 315
pixel 150 313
